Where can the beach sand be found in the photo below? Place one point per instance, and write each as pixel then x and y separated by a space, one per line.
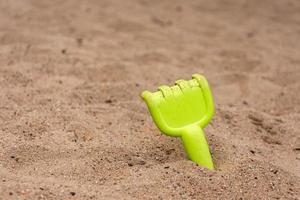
pixel 73 125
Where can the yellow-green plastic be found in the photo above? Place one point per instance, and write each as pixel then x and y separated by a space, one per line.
pixel 183 111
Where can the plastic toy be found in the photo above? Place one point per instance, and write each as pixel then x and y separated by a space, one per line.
pixel 183 111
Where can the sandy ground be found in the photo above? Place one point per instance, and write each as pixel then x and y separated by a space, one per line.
pixel 72 123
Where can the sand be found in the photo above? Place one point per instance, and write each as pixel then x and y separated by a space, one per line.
pixel 72 123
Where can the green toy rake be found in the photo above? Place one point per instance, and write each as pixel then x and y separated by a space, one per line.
pixel 183 111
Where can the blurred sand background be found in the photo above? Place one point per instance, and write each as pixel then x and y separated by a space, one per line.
pixel 73 126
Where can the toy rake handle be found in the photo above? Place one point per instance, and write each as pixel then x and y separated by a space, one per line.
pixel 196 147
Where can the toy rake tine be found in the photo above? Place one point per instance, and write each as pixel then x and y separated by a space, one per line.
pixel 208 98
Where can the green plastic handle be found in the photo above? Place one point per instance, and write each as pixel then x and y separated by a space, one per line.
pixel 196 147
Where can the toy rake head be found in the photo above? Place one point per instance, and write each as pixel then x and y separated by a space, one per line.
pixel 185 104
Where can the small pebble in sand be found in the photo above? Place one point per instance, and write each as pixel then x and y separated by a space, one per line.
pixel 130 164
pixel 72 193
pixel 108 101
